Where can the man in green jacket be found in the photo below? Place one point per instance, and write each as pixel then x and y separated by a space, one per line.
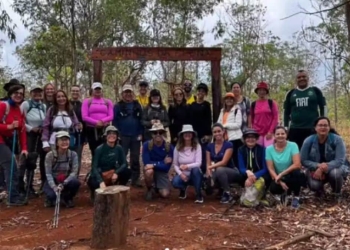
pixel 302 106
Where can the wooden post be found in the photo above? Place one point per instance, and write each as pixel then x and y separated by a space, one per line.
pixel 216 89
pixel 111 217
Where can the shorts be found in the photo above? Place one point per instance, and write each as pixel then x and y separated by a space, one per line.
pixel 161 180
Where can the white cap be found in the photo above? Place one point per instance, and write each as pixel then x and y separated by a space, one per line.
pixel 61 134
pixel 96 85
pixel 36 87
pixel 127 87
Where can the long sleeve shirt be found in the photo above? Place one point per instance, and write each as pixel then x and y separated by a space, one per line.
pixel 187 156
pixel 156 156
pixel 97 109
pixel 61 164
pixel 252 159
pixel 107 158
pixel 201 120
pixel 14 114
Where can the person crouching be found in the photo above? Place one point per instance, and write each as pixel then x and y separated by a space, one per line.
pixel 61 167
pixel 109 166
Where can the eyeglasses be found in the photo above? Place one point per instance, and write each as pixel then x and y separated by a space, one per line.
pixel 157 132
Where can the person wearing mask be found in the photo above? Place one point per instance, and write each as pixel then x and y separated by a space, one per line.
pixel 201 120
pixel 49 91
pixel 109 165
pixel 61 167
pixel 143 98
pixel 155 112
pixel 127 119
pixel 12 130
pixel 179 114
pixel 231 119
pixel 302 106
pixel 244 104
pixel 264 115
pixel 324 156
pixel 187 86
pixel 157 157
pixel 97 113
pixel 35 111
pixel 80 135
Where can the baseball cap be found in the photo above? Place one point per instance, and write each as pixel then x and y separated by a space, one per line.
pixel 61 134
pixel 36 87
pixel 96 85
pixel 127 87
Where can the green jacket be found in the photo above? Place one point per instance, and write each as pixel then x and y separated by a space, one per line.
pixel 107 158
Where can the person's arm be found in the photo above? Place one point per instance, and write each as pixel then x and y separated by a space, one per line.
pixel 146 157
pixel 264 170
pixel 48 170
pixel 115 121
pixel 241 164
pixel 197 158
pixel 176 162
pixel 321 100
pixel 45 137
pixel 145 118
pixel 236 122
pixel 227 157
pixel 161 165
pixel 208 119
pixel 220 116
pixel 75 167
pixel 75 121
pixel 304 155
pixel 121 160
pixel 274 121
pixel 286 110
pixel 208 157
pixel 95 163
pixel 85 113
pixel 110 116
pixel 296 163
pixel 3 126
pixel 24 109
pixel 247 106
pixel 270 164
pixel 340 155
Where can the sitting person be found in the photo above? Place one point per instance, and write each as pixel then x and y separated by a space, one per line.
pixel 324 155
pixel 283 163
pixel 61 166
pixel 252 163
pixel 219 163
pixel 187 162
pixel 109 166
pixel 157 156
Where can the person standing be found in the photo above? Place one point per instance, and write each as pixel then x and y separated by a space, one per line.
pixel 302 106
pixel 127 119
pixel 49 92
pixel 187 86
pixel 244 104
pixel 143 98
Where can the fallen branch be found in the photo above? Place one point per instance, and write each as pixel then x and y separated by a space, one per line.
pixel 320 232
pixel 147 215
pixel 291 241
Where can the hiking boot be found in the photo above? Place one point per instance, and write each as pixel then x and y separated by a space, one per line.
pixel 136 184
pixel 18 201
pixel 199 199
pixel 149 195
pixel 226 198
pixel 295 203
pixel 183 194
pixel 49 203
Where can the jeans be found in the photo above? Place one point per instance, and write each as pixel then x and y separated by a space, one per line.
pixel 334 177
pixel 224 176
pixel 293 180
pixel 123 178
pixel 69 191
pixel 131 143
pixel 5 165
pixel 194 179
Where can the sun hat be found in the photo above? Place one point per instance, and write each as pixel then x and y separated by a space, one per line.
pixel 127 87
pixel 110 129
pixel 157 127
pixel 262 85
pixel 11 83
pixel 187 128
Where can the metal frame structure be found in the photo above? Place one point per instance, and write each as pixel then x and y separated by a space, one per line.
pixel 164 54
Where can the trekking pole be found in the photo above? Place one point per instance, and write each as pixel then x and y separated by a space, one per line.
pixel 12 162
pixel 79 156
pixel 57 210
pixel 30 176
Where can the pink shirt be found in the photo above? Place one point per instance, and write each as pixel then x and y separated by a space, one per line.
pixel 98 111
pixel 265 119
pixel 189 157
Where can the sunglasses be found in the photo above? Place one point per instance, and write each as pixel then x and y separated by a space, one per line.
pixel 157 132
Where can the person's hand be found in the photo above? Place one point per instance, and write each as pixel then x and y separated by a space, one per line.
pixel 99 124
pixel 168 160
pixel 149 166
pixel 80 127
pixel 24 153
pixel 283 185
pixel 114 177
pixel 209 172
pixel 278 178
pixel 102 185
pixel 249 173
pixel 47 149
pixel 60 188
pixel 248 182
pixel 184 177
pixel 183 167
pixel 318 174
pixel 139 138
pixel 324 167
pixel 14 125
pixel 269 136
pixel 252 178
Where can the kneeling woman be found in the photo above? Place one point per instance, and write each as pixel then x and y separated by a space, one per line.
pixel 220 164
pixel 61 167
pixel 283 162
pixel 187 162
pixel 109 166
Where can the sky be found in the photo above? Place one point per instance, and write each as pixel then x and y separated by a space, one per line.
pixel 276 10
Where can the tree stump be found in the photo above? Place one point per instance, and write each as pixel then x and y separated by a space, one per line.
pixel 111 217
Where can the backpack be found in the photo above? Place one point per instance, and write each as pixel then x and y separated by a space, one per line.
pixel 137 108
pixel 7 111
pixel 167 146
pixel 105 103
pixel 252 108
pixel 41 106
pixel 70 160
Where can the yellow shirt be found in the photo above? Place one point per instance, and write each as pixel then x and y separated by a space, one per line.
pixel 143 100
pixel 191 100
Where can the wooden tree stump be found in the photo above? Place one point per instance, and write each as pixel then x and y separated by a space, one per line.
pixel 111 217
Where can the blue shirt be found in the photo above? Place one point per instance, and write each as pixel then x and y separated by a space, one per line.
pixel 156 155
pixel 282 160
pixel 220 155
pixel 127 119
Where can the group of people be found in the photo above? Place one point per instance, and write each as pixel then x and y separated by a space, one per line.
pixel 245 146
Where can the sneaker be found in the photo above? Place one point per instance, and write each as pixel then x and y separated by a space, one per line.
pixel 199 199
pixel 219 194
pixel 49 203
pixel 183 194
pixel 149 195
pixel 226 198
pixel 295 203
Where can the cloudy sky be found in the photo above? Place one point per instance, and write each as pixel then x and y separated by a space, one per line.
pixel 276 9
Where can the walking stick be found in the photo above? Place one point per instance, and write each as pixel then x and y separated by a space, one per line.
pixel 79 156
pixel 12 164
pixel 57 209
pixel 31 173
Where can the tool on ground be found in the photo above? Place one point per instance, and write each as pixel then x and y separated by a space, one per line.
pixel 57 209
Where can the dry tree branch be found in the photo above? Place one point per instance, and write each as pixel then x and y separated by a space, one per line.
pixel 317 12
